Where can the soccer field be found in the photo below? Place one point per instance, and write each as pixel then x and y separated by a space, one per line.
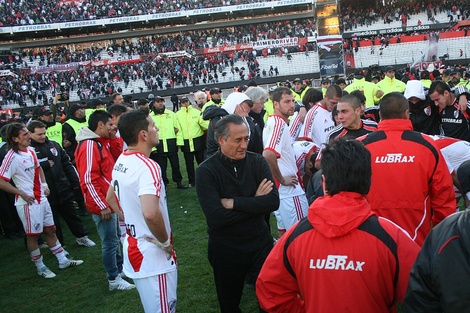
pixel 85 289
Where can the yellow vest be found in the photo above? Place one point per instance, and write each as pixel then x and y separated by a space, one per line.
pixel 389 85
pixel 166 124
pixel 367 88
pixel 55 133
pixel 210 102
pixel 191 124
pixel 76 125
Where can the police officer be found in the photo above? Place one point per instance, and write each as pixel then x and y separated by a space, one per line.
pixel 371 91
pixel 170 139
pixel 54 129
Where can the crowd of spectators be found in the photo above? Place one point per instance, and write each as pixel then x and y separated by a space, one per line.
pixel 159 71
pixel 17 12
pixel 354 15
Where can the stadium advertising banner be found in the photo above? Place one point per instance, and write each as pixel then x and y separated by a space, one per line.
pixel 151 17
pixel 275 43
pixel 396 30
pixel 331 67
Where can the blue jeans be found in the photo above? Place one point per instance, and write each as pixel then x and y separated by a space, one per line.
pixel 110 233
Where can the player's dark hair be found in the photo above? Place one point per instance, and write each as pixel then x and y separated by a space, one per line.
pixel 222 126
pixel 439 86
pixel 35 124
pixel 278 92
pixel 96 117
pixel 311 96
pixel 359 95
pixel 346 166
pixel 393 105
pixel 131 123
pixel 352 100
pixel 13 130
pixel 117 109
pixel 333 91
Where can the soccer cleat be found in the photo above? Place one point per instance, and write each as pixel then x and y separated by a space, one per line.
pixel 120 284
pixel 46 273
pixel 85 241
pixel 70 263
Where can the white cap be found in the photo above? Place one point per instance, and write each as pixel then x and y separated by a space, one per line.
pixel 234 99
pixel 414 88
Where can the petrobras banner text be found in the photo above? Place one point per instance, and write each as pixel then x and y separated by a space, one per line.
pixel 275 43
pixel 150 17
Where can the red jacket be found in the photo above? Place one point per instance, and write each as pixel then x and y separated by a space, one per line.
pixel 94 165
pixel 411 184
pixel 342 258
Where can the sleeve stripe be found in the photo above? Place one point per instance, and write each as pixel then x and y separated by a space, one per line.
pixel 6 162
pixel 87 177
pixel 152 166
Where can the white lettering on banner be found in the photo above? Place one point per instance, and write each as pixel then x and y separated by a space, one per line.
pixel 207 11
pixel 251 6
pixel 395 158
pixel 366 33
pixel 336 262
pixel 80 24
pixel 329 67
pixel 275 43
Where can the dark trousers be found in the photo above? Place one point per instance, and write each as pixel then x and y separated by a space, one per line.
pixel 9 220
pixel 189 160
pixel 463 174
pixel 162 160
pixel 67 211
pixel 230 269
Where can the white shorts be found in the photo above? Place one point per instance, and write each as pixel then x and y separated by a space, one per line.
pixel 158 293
pixel 35 217
pixel 293 210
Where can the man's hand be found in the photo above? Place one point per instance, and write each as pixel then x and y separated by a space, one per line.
pixel 227 203
pixel 112 132
pixel 264 188
pixel 168 250
pixel 51 163
pixel 290 180
pixel 47 192
pixel 29 199
pixel 106 214
pixel 463 102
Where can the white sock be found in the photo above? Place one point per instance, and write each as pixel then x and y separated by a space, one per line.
pixel 58 251
pixel 36 257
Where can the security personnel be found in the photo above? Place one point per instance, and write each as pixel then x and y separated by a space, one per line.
pixel 298 90
pixel 192 127
pixel 96 104
pixel 170 138
pixel 325 83
pixel 425 79
pixel 390 83
pixel 269 105
pixel 216 98
pixel 54 129
pixel 72 125
pixel 370 90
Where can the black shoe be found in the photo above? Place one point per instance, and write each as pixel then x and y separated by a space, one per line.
pixel 180 185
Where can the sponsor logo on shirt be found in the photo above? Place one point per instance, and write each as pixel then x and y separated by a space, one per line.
pixel 395 158
pixel 120 168
pixel 452 120
pixel 337 263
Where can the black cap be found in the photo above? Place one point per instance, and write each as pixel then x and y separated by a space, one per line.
pixel 252 83
pixel 340 81
pixel 184 99
pixel 325 80
pixel 298 80
pixel 358 74
pixel 142 102
pixel 424 74
pixel 215 90
pixel 389 69
pixel 74 108
pixel 96 102
pixel 158 98
pixel 44 111
pixel 447 72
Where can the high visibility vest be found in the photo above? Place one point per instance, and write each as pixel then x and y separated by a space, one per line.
pixel 166 123
pixel 55 133
pixel 76 125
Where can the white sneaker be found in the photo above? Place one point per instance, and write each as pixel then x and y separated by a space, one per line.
pixel 120 284
pixel 85 241
pixel 46 273
pixel 70 263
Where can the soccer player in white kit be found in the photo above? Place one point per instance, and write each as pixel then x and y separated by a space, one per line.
pixel 137 185
pixel 279 153
pixel 21 164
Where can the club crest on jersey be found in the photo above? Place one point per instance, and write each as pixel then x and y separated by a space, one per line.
pixel 456 113
pixel 427 111
pixel 36 226
pixel 395 158
pixel 54 151
pixel 337 263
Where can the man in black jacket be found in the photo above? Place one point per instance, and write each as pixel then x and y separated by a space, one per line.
pixel 235 190
pixel 61 177
pixel 440 278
